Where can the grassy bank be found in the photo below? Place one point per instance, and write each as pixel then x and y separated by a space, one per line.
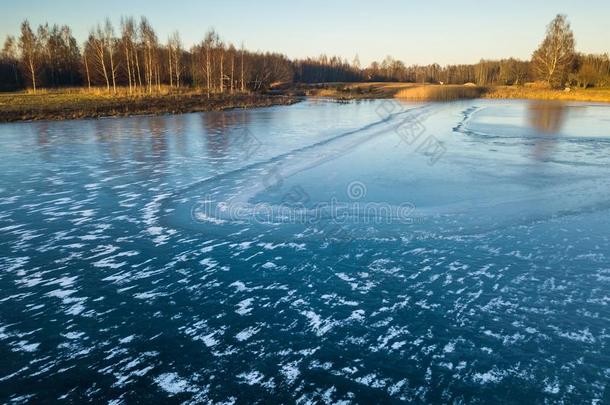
pixel 406 91
pixel 524 92
pixel 355 91
pixel 78 103
pixel 85 104
pixel 434 92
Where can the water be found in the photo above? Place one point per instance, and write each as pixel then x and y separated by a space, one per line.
pixel 319 252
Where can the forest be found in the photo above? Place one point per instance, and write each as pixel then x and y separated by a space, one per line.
pixel 132 57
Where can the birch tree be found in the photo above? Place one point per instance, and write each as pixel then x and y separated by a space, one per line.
pixel 243 88
pixel 208 43
pixel 552 60
pixel 29 47
pixel 128 33
pixel 174 45
pixel 99 50
pixel 86 52
pixel 110 43
pixel 150 45
pixel 221 76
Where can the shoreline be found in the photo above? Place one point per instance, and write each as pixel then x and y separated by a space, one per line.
pixel 58 106
pixel 435 92
pixel 62 106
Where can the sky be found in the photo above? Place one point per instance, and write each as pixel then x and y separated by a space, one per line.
pixel 416 32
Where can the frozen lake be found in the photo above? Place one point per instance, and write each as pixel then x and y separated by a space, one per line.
pixel 321 252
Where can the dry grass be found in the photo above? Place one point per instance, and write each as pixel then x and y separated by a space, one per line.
pixel 435 92
pixel 348 91
pixel 79 103
pixel 440 93
pixel 407 91
pixel 96 102
pixel 120 91
pixel 540 93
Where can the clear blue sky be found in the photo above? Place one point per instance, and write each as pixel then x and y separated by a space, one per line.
pixel 425 31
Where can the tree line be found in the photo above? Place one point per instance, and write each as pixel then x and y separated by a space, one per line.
pixel 584 70
pixel 555 62
pixel 132 56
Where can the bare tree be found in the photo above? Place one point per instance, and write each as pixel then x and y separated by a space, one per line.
pixel 70 57
pixel 150 43
pixel 136 52
pixel 177 44
pixel 170 52
pixel 30 52
pixel 47 54
pixel 50 57
pixel 128 32
pixel 9 55
pixel 592 70
pixel 553 58
pixel 59 56
pixel 86 63
pixel 174 48
pixel 232 53
pixel 208 43
pixel 243 88
pixel 356 62
pixel 97 43
pixel 110 43
pixel 221 51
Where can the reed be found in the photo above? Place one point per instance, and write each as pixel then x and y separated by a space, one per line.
pixel 121 91
pixel 440 93
pixel 436 92
pixel 539 93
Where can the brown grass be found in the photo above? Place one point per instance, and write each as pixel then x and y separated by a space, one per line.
pixel 97 102
pixel 349 91
pixel 120 91
pixel 435 92
pixel 541 93
pixel 440 93
pixel 79 103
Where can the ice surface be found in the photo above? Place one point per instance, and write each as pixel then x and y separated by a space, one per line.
pixel 198 256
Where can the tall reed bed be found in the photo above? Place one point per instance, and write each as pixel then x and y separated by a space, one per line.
pixel 537 93
pixel 440 93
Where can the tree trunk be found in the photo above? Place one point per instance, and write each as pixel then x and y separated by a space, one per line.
pixel 177 70
pixel 158 77
pixel 113 72
pixel 101 56
pixel 150 71
pixel 87 71
pixel 222 87
pixel 242 71
pixel 207 70
pixel 232 71
pixel 134 79
pixel 138 68
pixel 128 68
pixel 171 75
pixel 33 73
